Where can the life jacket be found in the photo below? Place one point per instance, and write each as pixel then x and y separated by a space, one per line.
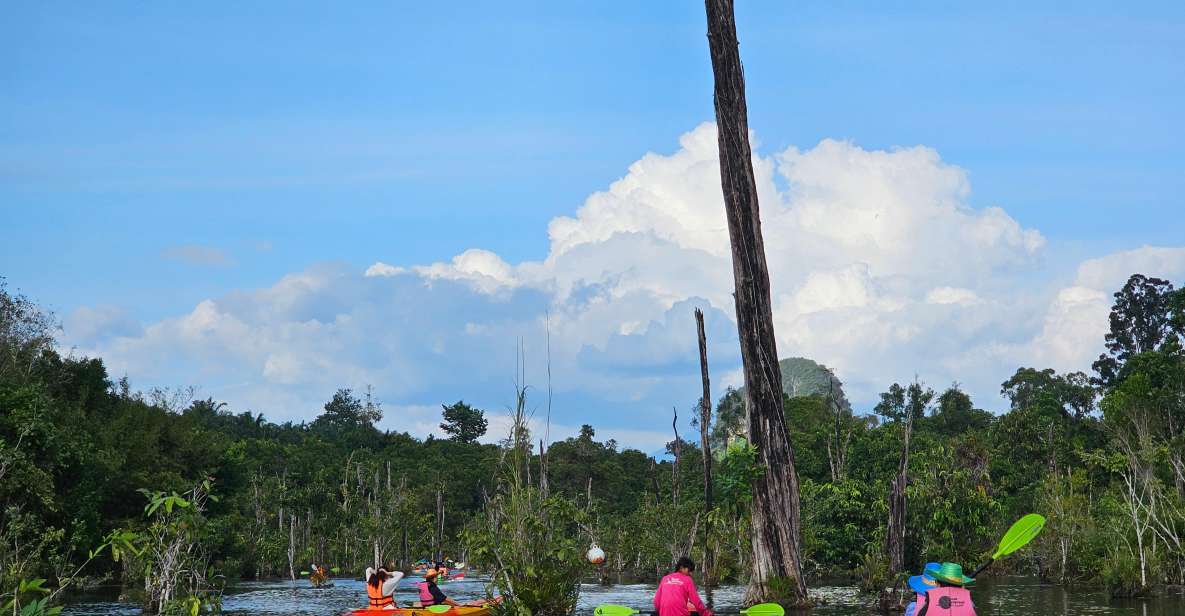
pixel 426 597
pixel 947 601
pixel 377 600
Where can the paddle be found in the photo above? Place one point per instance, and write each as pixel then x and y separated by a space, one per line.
pixel 441 608
pixel 761 609
pixel 1016 538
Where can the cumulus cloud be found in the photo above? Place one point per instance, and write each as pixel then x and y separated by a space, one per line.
pixel 881 267
pixel 382 269
pixel 90 325
pixel 1076 319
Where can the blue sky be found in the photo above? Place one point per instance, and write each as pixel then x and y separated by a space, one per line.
pixel 153 157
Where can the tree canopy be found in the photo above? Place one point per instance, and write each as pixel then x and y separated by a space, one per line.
pixel 1104 462
pixel 463 423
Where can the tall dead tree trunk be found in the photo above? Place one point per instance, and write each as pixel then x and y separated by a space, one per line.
pixel 841 437
pixel 292 546
pixel 543 468
pixel 895 538
pixel 438 536
pixel 705 421
pixel 678 451
pixel 654 481
pixel 775 510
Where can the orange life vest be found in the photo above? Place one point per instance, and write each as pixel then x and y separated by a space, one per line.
pixel 375 594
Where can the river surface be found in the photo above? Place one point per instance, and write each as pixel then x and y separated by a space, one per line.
pixel 1004 597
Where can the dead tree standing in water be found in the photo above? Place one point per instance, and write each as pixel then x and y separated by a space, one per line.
pixel 705 420
pixel 438 535
pixel 777 568
pixel 676 449
pixel 895 538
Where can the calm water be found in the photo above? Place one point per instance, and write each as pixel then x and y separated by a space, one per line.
pixel 1007 597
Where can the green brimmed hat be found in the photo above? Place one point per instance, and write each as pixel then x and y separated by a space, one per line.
pixel 951 573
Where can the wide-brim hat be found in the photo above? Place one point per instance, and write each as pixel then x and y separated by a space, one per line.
pixel 922 583
pixel 951 573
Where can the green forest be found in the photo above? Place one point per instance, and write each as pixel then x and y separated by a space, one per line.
pixel 172 497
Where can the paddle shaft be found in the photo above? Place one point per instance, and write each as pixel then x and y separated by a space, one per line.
pixel 714 613
pixel 982 567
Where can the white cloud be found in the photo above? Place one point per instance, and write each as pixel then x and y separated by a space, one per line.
pixel 952 295
pixel 881 267
pixel 850 287
pixel 91 324
pixel 1076 320
pixel 382 269
pixel 1110 272
pixel 486 271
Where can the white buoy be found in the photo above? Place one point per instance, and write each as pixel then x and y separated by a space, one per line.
pixel 596 555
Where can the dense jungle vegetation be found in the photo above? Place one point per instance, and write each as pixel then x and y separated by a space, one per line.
pixel 185 493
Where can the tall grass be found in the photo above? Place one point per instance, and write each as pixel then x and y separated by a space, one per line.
pixel 533 541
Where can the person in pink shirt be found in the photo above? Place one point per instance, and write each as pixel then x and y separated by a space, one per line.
pixel 676 595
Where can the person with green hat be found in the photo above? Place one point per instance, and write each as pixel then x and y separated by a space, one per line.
pixel 950 597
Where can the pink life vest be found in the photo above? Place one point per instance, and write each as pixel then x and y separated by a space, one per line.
pixel 948 601
pixel 426 597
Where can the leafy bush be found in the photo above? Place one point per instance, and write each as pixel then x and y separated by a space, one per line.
pixel 1121 575
pixel 839 521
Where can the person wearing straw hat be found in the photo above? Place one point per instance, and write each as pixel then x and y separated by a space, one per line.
pixel 951 597
pixel 921 584
pixel 430 593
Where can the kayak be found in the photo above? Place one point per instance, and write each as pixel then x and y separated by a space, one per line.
pixel 483 610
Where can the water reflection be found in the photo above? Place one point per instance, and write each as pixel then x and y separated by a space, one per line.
pixel 1003 597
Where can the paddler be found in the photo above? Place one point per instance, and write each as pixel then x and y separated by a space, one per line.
pixel 951 597
pixel 380 588
pixel 430 593
pixel 920 585
pixel 676 595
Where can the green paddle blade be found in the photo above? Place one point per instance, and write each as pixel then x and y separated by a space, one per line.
pixel 614 610
pixel 304 572
pixel 765 609
pixel 335 570
pixel 439 608
pixel 1020 534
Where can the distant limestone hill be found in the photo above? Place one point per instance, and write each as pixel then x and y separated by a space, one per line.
pixel 800 377
pixel 806 377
